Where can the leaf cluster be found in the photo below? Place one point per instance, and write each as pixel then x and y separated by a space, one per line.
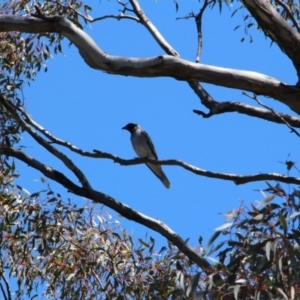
pixel 66 252
pixel 260 258
pixel 23 55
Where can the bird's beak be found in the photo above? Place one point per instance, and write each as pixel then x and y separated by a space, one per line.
pixel 124 127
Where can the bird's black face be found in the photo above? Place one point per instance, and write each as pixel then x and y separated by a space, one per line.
pixel 130 127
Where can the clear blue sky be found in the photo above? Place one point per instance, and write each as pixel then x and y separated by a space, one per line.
pixel 88 108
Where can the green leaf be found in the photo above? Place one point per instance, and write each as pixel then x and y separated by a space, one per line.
pixel 212 239
pixel 283 222
pixel 180 280
pixel 214 249
pixel 176 5
pixel 144 243
pixel 236 291
pixel 223 227
pixel 234 12
pixel 268 249
pixel 192 288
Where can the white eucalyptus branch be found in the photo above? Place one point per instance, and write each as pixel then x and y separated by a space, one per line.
pixel 162 65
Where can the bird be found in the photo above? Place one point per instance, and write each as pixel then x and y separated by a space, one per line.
pixel 143 147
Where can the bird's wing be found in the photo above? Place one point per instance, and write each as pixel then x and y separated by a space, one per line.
pixel 149 143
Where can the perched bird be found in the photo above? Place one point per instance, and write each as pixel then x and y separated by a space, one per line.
pixel 143 146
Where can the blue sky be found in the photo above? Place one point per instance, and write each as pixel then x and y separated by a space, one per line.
pixel 88 108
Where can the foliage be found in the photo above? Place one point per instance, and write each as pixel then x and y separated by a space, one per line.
pixel 71 252
pixel 52 246
pixel 74 253
pixel 260 258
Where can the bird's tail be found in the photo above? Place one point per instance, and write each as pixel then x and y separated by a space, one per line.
pixel 164 179
pixel 158 172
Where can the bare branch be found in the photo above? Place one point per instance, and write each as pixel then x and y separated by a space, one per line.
pixel 117 206
pixel 118 17
pixel 152 29
pixel 189 16
pixel 237 179
pixel 12 109
pixel 125 7
pixel 164 65
pixel 275 113
pixel 216 108
pixel 198 19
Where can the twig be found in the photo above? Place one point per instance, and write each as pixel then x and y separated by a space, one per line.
pixel 118 17
pixel 205 97
pixel 88 18
pixel 190 15
pixel 198 19
pixel 273 112
pixel 122 14
pixel 125 8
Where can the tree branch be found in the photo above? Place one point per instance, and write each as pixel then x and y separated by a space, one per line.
pixel 198 19
pixel 274 113
pixel 277 28
pixel 117 206
pixel 118 17
pixel 237 179
pixel 12 109
pixel 216 108
pixel 289 13
pixel 222 107
pixel 164 65
pixel 152 29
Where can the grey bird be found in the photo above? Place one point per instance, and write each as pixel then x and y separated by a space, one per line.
pixel 143 147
